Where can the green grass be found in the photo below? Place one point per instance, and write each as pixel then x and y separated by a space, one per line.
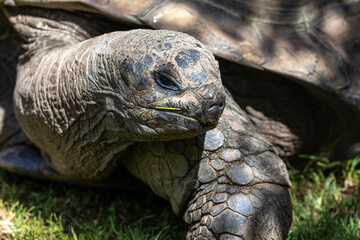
pixel 48 210
pixel 325 197
pixel 326 200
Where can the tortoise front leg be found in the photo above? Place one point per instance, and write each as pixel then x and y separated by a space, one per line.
pixel 227 183
pixel 243 190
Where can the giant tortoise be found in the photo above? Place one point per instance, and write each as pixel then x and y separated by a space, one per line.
pixel 86 94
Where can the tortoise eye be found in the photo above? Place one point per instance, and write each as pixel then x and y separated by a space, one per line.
pixel 166 81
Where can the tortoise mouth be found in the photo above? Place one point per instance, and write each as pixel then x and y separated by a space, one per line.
pixel 206 119
pixel 172 120
pixel 176 112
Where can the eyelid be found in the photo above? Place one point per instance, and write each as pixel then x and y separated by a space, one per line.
pixel 158 74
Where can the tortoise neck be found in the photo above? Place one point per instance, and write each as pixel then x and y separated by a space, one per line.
pixel 58 105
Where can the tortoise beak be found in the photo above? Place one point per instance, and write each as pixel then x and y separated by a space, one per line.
pixel 213 104
pixel 211 110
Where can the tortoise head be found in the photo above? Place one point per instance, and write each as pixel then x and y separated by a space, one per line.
pixel 170 83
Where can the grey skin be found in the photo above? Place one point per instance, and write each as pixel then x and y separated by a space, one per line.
pixel 153 103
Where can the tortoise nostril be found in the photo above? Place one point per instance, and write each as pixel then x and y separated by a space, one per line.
pixel 213 107
pixel 216 107
pixel 221 106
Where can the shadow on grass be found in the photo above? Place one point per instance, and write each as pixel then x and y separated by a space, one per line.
pixel 49 210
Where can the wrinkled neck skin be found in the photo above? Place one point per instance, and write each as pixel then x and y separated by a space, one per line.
pixel 64 100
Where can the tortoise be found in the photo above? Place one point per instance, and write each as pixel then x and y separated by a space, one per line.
pixel 93 91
